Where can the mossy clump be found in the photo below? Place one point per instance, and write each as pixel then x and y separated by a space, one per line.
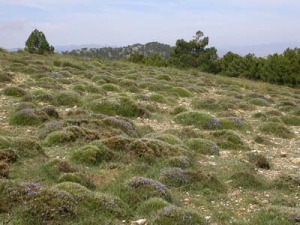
pixel 198 119
pixel 118 143
pixel 50 127
pixel 163 77
pixel 92 154
pixel 122 106
pixel 56 167
pixel 151 149
pixel 178 216
pixel 8 155
pixel 260 115
pixel 50 111
pixel 291 120
pixel 151 206
pixel 181 92
pixel 232 123
pixel 178 109
pixel 140 189
pixel 143 130
pixel 227 139
pixel 186 133
pixel 206 103
pixel 40 95
pixel 124 124
pixel 246 180
pixel 276 129
pixel 77 177
pixel 110 87
pixel 6 77
pixel 14 91
pixel 259 160
pixel 179 161
pixel 158 98
pixel 259 102
pixel 203 146
pixel 27 148
pixel 59 137
pixel 67 98
pixel 27 117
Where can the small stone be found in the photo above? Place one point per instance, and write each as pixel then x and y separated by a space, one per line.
pixel 207 218
pixel 265 201
pixel 139 222
pixel 283 154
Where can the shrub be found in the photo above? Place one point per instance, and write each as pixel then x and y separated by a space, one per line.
pixel 287 182
pixel 117 143
pixel 54 168
pixel 174 177
pixel 40 95
pixel 92 155
pixel 276 129
pixel 50 127
pixel 151 149
pixel 27 117
pixel 6 77
pixel 141 189
pixel 124 124
pixel 67 98
pixel 203 146
pixel 168 138
pixel 27 148
pixel 4 169
pixel 259 102
pixel 228 139
pixel 14 91
pixel 198 119
pixel 59 137
pixel 178 216
pixel 232 123
pixel 77 177
pixel 206 103
pixel 163 77
pixel 181 92
pixel 50 111
pixel 151 206
pixel 5 142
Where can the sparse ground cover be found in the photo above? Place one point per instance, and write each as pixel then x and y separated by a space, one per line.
pixel 105 142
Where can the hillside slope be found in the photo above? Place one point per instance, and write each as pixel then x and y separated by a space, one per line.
pixel 94 142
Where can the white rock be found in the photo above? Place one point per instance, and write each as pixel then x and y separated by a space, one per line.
pixel 139 222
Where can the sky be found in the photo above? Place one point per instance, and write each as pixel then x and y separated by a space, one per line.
pixel 229 24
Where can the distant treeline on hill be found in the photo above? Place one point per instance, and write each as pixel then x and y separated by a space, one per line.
pixel 283 69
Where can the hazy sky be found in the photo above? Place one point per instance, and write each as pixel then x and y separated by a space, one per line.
pixel 121 22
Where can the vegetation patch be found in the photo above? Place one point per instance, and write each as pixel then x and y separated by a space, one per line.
pixel 198 119
pixel 276 129
pixel 14 91
pixel 181 92
pixel 227 139
pixel 151 206
pixel 67 98
pixel 203 146
pixel 246 180
pixel 291 120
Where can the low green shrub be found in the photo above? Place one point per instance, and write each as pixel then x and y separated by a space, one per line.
pixel 227 139
pixel 14 91
pixel 291 120
pixel 276 129
pixel 203 146
pixel 77 177
pixel 110 87
pixel 246 180
pixel 181 92
pixel 179 161
pixel 198 119
pixel 67 98
pixel 151 206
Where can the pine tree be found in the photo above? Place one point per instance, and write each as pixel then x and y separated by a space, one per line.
pixel 38 44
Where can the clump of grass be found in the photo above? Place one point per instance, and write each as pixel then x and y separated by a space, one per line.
pixel 40 95
pixel 50 127
pixel 158 98
pixel 14 91
pixel 203 146
pixel 259 160
pixel 151 206
pixel 140 189
pixel 126 125
pixel 92 155
pixel 59 137
pixel 27 148
pixel 259 102
pixel 179 161
pixel 227 139
pixel 178 216
pixel 122 106
pixel 206 103
pixel 168 138
pixel 287 182
pixel 260 115
pixel 185 133
pixel 117 143
pixel 174 177
pixel 26 117
pixel 267 216
pixel 246 180
pixel 143 130
pixel 110 87
pixel 179 109
pixel 163 77
pixel 276 129
pixel 77 177
pixel 56 167
pixel 6 77
pixel 67 98
pixel 232 123
pixel 291 120
pixel 198 119
pixel 50 111
pixel 181 92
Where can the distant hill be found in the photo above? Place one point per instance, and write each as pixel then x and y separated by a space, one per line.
pixel 123 52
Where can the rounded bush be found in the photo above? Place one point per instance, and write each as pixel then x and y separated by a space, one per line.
pixel 8 155
pixel 25 117
pixel 179 109
pixel 158 98
pixel 246 180
pixel 59 137
pixel 168 138
pixel 181 92
pixel 151 206
pixel 142 188
pixel 4 169
pixel 178 216
pixel 291 120
pixel 27 148
pixel 179 161
pixel 54 168
pixel 163 77
pixel 50 127
pixel 6 77
pixel 91 155
pixel 276 129
pixel 110 87
pixel 67 98
pixel 14 91
pixel 259 161
pixel 228 139
pixel 50 111
pixel 77 177
pixel 198 119
pixel 259 102
pixel 174 177
pixel 203 146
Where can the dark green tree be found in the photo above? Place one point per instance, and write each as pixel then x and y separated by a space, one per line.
pixel 38 44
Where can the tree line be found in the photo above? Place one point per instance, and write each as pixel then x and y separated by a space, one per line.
pixel 282 69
